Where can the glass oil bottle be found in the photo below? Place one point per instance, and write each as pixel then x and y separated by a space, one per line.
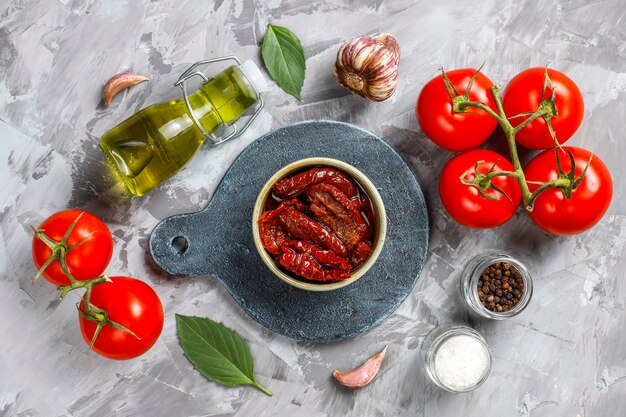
pixel 153 144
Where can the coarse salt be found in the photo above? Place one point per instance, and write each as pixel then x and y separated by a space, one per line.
pixel 461 362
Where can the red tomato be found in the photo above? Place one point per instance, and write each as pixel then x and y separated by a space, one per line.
pixel 131 303
pixel 450 130
pixel 84 262
pixel 562 216
pixel 523 94
pixel 464 202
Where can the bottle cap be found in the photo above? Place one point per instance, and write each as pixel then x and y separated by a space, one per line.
pixel 255 76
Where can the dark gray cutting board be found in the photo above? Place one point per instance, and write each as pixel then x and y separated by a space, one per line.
pixel 219 240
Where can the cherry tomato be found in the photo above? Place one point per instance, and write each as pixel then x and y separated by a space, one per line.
pixel 131 303
pixel 590 200
pixel 84 262
pixel 523 94
pixel 450 130
pixel 464 202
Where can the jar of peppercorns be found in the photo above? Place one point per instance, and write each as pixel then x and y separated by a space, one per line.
pixel 496 286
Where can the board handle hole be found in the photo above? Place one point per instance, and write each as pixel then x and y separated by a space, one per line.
pixel 180 245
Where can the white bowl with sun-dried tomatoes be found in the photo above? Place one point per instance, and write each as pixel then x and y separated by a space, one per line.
pixel 319 224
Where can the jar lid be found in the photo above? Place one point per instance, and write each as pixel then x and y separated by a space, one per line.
pixel 255 76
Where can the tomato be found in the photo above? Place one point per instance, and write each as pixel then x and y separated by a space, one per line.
pixel 590 200
pixel 131 303
pixel 448 129
pixel 523 94
pixel 84 262
pixel 464 202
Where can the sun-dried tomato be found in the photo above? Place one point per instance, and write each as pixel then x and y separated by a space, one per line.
pixel 270 230
pixel 342 215
pixel 292 186
pixel 360 253
pixel 307 267
pixel 303 227
pixel 367 211
pixel 322 234
pixel 324 257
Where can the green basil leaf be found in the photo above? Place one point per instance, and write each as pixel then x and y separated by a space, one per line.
pixel 216 351
pixel 284 59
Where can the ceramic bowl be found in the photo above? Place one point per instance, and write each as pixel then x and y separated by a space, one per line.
pixel 379 223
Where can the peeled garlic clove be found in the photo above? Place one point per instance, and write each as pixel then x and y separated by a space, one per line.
pixel 363 375
pixel 368 66
pixel 120 82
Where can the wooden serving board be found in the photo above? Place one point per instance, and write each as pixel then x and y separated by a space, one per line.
pixel 217 241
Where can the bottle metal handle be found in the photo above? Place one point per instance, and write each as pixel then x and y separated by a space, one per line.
pixel 191 72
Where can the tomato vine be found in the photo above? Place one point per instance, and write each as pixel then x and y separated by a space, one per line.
pixel 547 109
pixel 60 250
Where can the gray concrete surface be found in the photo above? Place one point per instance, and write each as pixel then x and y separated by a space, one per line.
pixel 564 356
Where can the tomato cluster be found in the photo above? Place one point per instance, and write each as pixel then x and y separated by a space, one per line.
pixel 472 190
pixel 86 246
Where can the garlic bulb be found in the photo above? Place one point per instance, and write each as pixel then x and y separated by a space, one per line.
pixel 368 66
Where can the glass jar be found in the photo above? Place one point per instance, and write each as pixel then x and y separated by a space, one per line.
pixel 152 145
pixel 469 285
pixel 436 350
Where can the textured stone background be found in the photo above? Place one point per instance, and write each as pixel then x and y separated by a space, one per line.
pixel 564 356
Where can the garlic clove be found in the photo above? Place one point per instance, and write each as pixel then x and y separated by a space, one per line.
pixel 364 374
pixel 120 82
pixel 368 66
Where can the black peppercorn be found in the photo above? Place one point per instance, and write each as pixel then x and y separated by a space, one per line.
pixel 500 287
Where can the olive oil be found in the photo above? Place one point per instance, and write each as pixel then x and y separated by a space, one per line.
pixel 153 144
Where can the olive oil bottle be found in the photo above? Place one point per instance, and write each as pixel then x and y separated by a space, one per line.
pixel 154 143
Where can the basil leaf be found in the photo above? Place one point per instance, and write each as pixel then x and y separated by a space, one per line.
pixel 284 59
pixel 216 351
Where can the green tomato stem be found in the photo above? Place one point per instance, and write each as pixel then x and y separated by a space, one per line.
pixel 60 250
pixel 461 105
pixel 547 110
pixel 101 318
pixel 494 174
pixel 88 285
pixel 558 183
pixel 535 115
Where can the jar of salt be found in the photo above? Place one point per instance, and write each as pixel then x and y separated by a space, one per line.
pixel 456 357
